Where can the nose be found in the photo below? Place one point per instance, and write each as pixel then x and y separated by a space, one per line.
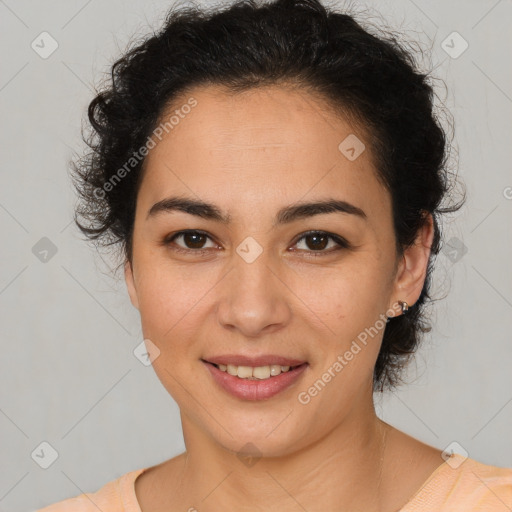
pixel 254 300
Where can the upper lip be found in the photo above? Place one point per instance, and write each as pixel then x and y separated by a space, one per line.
pixel 254 361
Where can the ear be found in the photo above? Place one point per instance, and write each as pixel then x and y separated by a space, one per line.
pixel 130 284
pixel 412 269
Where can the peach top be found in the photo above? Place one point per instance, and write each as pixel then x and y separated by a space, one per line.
pixel 458 485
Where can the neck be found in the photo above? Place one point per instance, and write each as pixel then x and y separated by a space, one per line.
pixel 341 471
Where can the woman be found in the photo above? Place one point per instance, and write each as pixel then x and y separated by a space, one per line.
pixel 274 176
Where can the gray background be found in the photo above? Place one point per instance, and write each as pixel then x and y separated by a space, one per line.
pixel 68 331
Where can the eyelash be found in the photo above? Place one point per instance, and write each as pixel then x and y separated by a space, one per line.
pixel 342 243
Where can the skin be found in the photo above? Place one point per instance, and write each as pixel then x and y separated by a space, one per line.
pixel 252 154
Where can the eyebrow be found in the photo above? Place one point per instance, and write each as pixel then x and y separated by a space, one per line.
pixel 286 215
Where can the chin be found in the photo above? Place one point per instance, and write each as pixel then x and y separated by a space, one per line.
pixel 265 437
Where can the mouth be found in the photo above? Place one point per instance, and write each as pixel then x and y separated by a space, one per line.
pixel 254 378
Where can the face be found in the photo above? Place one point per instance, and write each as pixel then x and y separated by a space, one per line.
pixel 257 283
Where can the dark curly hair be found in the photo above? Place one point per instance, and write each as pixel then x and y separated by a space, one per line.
pixel 373 80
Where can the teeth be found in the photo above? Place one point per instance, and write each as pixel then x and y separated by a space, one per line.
pixel 275 369
pixel 244 372
pixel 260 372
pixel 249 372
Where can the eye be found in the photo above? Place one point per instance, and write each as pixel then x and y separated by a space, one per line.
pixel 317 241
pixel 194 241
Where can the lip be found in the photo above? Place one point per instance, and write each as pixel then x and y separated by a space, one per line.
pixel 262 360
pixel 246 389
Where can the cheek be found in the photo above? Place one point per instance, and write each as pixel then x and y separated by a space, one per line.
pixel 344 297
pixel 171 300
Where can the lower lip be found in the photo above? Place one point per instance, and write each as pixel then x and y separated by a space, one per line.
pixel 255 389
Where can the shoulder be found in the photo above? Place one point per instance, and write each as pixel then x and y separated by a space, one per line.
pixel 115 496
pixel 492 484
pixel 462 483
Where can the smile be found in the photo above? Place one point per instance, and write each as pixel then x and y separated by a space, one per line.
pixel 256 382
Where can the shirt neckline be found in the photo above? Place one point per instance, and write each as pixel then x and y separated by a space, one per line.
pixel 416 497
pixel 131 504
pixel 127 490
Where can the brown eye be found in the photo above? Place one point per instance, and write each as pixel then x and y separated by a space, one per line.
pixel 191 241
pixel 194 240
pixel 318 241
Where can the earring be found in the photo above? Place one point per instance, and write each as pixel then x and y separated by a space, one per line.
pixel 405 306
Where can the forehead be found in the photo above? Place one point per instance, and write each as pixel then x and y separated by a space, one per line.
pixel 270 119
pixel 272 144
